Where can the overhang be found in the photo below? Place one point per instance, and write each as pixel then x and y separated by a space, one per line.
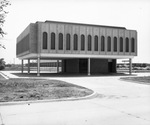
pixel 63 56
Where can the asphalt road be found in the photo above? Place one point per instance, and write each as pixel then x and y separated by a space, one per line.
pixel 116 103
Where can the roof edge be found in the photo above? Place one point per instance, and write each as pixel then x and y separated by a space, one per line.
pixel 49 21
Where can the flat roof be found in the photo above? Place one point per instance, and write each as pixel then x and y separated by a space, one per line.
pixel 49 21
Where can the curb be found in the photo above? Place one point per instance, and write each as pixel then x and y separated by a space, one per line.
pixel 46 101
pixel 4 75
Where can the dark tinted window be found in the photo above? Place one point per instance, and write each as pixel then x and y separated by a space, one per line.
pixel 44 40
pixel 115 44
pixel 102 43
pixel 121 44
pixel 132 45
pixel 82 42
pixel 96 43
pixel 89 42
pixel 108 43
pixel 75 41
pixel 68 42
pixel 127 44
pixel 60 41
pixel 52 40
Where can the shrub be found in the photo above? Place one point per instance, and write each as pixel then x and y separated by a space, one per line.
pixel 2 67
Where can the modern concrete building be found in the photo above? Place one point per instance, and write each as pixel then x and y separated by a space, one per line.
pixel 82 48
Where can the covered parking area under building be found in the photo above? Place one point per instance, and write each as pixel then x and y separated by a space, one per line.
pixel 70 65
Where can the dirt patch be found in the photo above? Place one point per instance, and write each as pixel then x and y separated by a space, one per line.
pixel 39 89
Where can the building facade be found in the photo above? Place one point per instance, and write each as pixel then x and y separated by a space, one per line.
pixel 82 48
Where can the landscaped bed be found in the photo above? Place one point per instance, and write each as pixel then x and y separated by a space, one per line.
pixel 142 79
pixel 39 89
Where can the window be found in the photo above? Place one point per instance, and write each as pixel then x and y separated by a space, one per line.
pixel 75 41
pixel 68 42
pixel 52 40
pixel 44 40
pixel 60 41
pixel 102 43
pixel 89 43
pixel 121 44
pixel 108 43
pixel 96 43
pixel 82 42
pixel 115 44
pixel 132 45
pixel 127 44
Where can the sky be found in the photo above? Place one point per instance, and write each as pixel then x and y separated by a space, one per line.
pixel 132 14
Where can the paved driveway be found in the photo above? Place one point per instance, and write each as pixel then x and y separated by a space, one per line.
pixel 116 103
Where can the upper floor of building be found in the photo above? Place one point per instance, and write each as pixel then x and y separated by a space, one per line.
pixel 51 37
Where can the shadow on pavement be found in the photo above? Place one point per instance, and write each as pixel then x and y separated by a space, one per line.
pixel 70 75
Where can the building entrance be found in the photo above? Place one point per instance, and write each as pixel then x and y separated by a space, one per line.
pixel 83 65
pixel 112 66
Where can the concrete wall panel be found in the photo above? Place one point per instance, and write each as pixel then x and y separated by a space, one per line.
pixel 33 38
pixel 127 35
pixel 61 29
pixel 68 30
pixel 96 32
pixel 53 29
pixel 102 32
pixel 115 34
pixel 75 30
pixel 121 34
pixel 23 42
pixel 45 28
pixel 133 34
pixel 24 33
pixel 109 32
pixel 89 32
pixel 83 31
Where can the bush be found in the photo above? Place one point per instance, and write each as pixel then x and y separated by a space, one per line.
pixel 2 67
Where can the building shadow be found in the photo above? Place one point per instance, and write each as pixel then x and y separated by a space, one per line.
pixel 71 75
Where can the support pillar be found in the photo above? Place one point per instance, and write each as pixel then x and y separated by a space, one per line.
pixel 57 66
pixel 89 67
pixel 38 66
pixel 130 66
pixel 28 66
pixel 22 66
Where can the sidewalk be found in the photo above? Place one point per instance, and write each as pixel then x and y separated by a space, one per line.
pixel 117 103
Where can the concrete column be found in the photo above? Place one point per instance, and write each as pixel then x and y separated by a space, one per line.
pixel 57 66
pixel 38 66
pixel 130 66
pixel 28 66
pixel 89 66
pixel 22 66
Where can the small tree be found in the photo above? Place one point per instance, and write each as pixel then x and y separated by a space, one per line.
pixel 3 13
pixel 2 64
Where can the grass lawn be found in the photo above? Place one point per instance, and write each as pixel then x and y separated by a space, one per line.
pixel 38 89
pixel 142 80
